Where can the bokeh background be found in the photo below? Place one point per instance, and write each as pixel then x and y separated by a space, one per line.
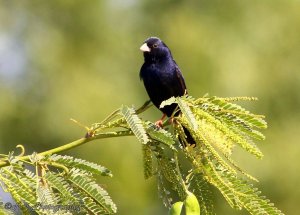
pixel 80 59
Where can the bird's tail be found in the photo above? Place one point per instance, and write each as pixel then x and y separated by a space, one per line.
pixel 188 140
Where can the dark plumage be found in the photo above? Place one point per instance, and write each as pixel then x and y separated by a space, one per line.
pixel 161 75
pixel 162 78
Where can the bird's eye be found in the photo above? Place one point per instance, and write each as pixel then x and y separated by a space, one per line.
pixel 155 45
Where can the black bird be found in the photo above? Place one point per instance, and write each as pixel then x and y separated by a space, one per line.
pixel 162 77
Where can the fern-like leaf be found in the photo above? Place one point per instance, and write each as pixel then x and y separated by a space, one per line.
pixel 168 169
pixel 234 109
pixel 203 191
pixel 187 113
pixel 135 124
pixel 62 186
pixel 213 177
pixel 249 196
pixel 160 135
pixel 17 188
pixel 252 148
pixel 163 192
pixel 168 102
pixel 80 164
pixel 147 160
pixel 45 195
pixel 92 207
pixel 94 191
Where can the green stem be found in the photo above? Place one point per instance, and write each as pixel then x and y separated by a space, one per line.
pixel 73 144
pixel 60 166
pixel 76 143
pixel 179 172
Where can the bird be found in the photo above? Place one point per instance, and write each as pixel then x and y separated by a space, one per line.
pixel 162 79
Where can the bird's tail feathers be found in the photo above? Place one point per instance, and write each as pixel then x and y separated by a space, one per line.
pixel 189 140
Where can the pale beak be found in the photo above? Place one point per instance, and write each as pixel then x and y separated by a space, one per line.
pixel 145 48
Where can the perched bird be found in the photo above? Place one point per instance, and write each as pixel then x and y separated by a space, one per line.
pixel 162 77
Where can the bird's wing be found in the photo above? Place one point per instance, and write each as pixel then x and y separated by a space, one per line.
pixel 181 80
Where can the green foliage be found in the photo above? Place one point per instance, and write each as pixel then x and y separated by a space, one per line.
pixel 203 190
pixel 59 185
pixel 160 135
pixel 185 174
pixel 187 113
pixel 147 159
pixel 217 125
pixel 135 124
pixel 90 191
pixel 80 164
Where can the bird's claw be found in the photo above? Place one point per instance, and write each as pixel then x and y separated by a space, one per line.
pixel 159 123
pixel 171 120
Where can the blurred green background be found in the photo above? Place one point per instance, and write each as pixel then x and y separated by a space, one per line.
pixel 80 59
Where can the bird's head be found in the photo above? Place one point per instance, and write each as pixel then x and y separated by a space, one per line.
pixel 155 49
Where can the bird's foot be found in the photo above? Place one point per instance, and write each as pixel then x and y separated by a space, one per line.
pixel 159 123
pixel 171 120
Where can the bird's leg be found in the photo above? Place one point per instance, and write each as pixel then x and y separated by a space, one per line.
pixel 171 120
pixel 159 123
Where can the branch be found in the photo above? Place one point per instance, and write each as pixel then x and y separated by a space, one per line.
pixel 88 138
pixel 73 144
